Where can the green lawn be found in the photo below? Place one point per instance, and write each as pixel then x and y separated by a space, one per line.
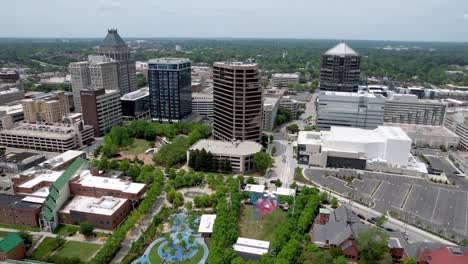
pixel 3 234
pixel 139 146
pixel 47 246
pixel 261 229
pixel 82 250
pixel 66 230
pixel 156 259
pixel 20 227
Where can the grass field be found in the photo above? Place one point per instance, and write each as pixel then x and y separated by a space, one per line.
pixel 139 146
pixel 156 259
pixel 47 246
pixel 20 227
pixel 66 230
pixel 3 234
pixel 261 229
pixel 82 250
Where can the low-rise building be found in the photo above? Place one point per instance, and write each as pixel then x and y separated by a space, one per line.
pixel 16 162
pixel 457 121
pixel 407 108
pixel 7 75
pixel 240 154
pixel 206 225
pixel 284 79
pixel 10 114
pixel 136 105
pixel 361 110
pixel 270 109
pixel 105 212
pixel 101 109
pixel 251 249
pixel 12 247
pixel 202 104
pixel 291 105
pixel 437 253
pixel 49 108
pixel 49 137
pixel 384 149
pixel 429 136
pixel 15 211
pixel 9 95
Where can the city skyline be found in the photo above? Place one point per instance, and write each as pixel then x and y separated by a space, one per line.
pixel 433 20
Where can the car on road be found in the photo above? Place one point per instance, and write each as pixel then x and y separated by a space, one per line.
pixel 361 216
pixel 7 188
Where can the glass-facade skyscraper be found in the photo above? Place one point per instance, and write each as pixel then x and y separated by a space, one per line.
pixel 170 87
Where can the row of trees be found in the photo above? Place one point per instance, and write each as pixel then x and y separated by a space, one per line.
pixel 262 161
pixel 225 227
pixel 114 242
pixel 201 160
pixel 137 171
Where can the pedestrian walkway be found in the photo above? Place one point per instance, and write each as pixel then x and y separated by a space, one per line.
pixel 138 229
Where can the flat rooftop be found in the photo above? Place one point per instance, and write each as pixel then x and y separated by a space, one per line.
pixel 62 158
pixel 270 101
pixel 235 64
pixel 87 180
pixel 285 191
pixel 138 94
pixel 285 75
pixel 168 61
pixel 12 108
pixel 422 130
pixel 206 223
pixel 258 188
pixel 309 138
pixel 22 157
pixel 41 130
pixel 7 200
pixel 348 94
pixel 105 205
pixel 225 147
pixel 41 176
pixel 251 246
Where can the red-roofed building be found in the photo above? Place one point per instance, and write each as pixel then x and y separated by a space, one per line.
pixel 444 255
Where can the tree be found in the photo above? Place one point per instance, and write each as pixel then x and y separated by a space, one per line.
pixel 103 164
pixel 273 150
pixel 324 197
pixel 278 183
pixel 262 161
pixel 409 261
pixel 334 202
pixel 178 200
pixel 372 244
pixel 189 205
pixel 86 228
pixel 134 171
pixel 114 164
pixel 27 238
pixel 380 220
pixel 251 180
pixel 293 128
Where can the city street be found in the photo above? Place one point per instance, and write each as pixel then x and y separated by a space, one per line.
pixel 285 163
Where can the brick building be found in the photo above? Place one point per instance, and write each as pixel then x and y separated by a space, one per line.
pixel 12 247
pixel 15 211
pixel 104 213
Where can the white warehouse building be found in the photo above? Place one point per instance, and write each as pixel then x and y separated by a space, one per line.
pixel 384 148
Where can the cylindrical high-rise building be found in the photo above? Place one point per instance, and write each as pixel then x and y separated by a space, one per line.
pixel 237 101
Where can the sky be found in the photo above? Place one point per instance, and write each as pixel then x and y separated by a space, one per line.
pixel 412 20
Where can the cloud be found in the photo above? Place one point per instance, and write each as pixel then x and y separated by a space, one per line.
pixel 465 16
pixel 109 6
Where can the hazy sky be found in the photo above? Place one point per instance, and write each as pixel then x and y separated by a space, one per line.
pixel 440 20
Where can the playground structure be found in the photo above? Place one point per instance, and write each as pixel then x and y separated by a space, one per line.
pixel 178 245
pixel 265 202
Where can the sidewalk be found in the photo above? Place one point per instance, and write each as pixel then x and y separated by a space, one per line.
pixel 47 234
pixel 138 229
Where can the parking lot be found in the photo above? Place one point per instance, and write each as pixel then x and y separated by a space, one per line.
pixel 440 208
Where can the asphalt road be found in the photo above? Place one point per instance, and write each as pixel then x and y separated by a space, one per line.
pixel 414 234
pixel 285 163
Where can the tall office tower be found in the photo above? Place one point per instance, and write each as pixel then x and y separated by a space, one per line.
pixel 361 110
pixel 80 80
pixel 340 69
pixel 50 108
pixel 170 86
pixel 237 101
pixel 115 48
pixel 103 72
pixel 101 109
